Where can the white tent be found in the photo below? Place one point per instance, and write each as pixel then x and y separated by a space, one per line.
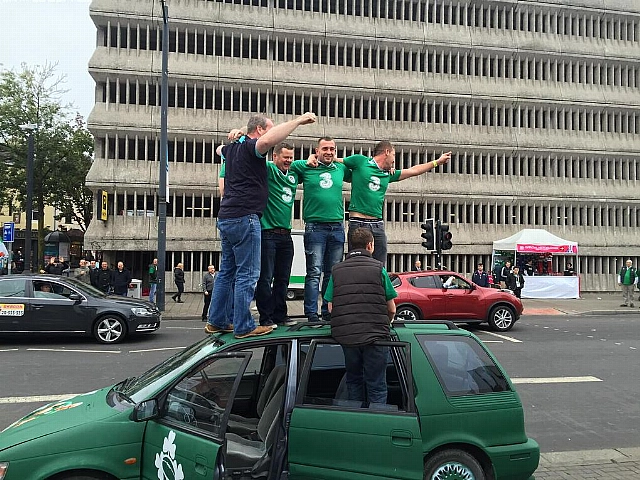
pixel 536 240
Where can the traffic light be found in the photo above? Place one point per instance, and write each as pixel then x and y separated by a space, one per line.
pixel 429 234
pixel 444 237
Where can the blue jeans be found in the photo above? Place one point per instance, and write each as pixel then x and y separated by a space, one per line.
pixel 275 266
pixel 366 367
pixel 152 292
pixel 239 272
pixel 323 248
pixel 379 237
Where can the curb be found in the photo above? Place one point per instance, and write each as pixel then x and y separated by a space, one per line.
pixel 589 457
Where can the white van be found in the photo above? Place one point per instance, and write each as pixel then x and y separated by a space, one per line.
pixel 299 266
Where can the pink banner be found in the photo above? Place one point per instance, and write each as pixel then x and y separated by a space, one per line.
pixel 531 248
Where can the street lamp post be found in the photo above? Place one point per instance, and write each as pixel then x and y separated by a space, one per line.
pixel 29 127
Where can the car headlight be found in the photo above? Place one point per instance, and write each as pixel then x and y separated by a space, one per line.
pixel 138 312
pixel 4 466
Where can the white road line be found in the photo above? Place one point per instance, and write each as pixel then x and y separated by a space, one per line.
pixel 492 341
pixel 156 349
pixel 504 337
pixel 36 398
pixel 555 380
pixel 10 350
pixel 71 350
pixel 183 328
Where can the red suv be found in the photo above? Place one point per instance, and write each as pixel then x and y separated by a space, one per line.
pixel 444 295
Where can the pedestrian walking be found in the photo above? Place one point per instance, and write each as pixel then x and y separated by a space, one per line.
pixel 208 281
pixel 360 296
pixel 178 279
pixel 245 198
pixel 153 280
pixel 627 279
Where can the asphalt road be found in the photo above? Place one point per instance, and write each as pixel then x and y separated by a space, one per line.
pixel 577 375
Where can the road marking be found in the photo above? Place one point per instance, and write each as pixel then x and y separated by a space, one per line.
pixel 555 380
pixel 156 349
pixel 10 350
pixel 504 337
pixel 71 350
pixel 184 328
pixel 37 398
pixel 492 341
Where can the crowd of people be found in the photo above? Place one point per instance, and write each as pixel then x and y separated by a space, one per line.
pixel 116 281
pixel 254 220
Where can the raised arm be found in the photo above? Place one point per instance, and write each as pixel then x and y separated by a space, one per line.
pixel 280 132
pixel 425 167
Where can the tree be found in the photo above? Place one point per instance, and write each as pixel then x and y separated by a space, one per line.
pixel 63 147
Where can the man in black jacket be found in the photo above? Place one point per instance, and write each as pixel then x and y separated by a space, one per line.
pixel 515 281
pixel 360 296
pixel 120 280
pixel 178 279
pixel 103 278
pixel 480 277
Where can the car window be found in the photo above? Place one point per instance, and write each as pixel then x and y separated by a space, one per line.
pixel 12 288
pixel 48 289
pixel 426 281
pixel 462 366
pixel 201 397
pixel 453 281
pixel 327 383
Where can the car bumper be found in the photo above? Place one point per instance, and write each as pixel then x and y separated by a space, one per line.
pixel 515 462
pixel 144 324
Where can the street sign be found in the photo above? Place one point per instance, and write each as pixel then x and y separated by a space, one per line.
pixel 8 231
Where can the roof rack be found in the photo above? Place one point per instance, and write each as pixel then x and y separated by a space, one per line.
pixel 448 323
pixel 298 326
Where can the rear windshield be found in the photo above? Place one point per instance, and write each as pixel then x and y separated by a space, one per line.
pixel 462 366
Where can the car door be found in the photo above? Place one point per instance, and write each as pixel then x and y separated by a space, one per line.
pixel 56 307
pixel 332 437
pixel 14 305
pixel 185 440
pixel 428 296
pixel 462 299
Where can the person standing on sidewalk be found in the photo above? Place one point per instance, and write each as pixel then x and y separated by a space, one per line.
pixel 153 280
pixel 360 296
pixel 627 278
pixel 120 280
pixel 245 198
pixel 208 281
pixel 276 243
pixel 178 279
pixel 323 214
pixel 480 277
pixel 515 281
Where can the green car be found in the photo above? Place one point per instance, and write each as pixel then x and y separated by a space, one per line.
pixel 278 407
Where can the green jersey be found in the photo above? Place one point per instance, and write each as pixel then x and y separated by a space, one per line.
pixel 282 193
pixel 369 185
pixel 322 187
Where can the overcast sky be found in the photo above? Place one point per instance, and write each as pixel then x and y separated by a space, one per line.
pixel 56 31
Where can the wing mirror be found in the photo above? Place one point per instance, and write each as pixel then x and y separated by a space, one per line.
pixel 76 297
pixel 145 410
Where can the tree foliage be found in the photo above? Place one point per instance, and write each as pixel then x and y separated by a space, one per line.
pixel 63 146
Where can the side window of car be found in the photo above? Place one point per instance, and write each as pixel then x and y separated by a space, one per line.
pixel 12 288
pixel 327 383
pixel 45 289
pixel 199 400
pixel 462 366
pixel 427 281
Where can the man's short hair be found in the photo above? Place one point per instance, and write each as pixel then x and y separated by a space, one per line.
pixel 279 147
pixel 325 139
pixel 382 146
pixel 258 120
pixel 481 264
pixel 361 237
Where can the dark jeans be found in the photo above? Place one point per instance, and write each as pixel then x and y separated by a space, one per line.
pixel 379 237
pixel 323 248
pixel 275 267
pixel 180 287
pixel 366 373
pixel 207 302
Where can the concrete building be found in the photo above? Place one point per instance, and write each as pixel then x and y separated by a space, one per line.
pixel 539 102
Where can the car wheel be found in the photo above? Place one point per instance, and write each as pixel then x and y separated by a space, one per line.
pixel 502 318
pixel 453 465
pixel 291 295
pixel 407 313
pixel 109 329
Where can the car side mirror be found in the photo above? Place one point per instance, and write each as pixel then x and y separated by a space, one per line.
pixel 145 410
pixel 76 297
pixel 473 286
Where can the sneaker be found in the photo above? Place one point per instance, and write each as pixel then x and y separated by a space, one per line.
pixel 269 324
pixel 326 317
pixel 290 323
pixel 312 318
pixel 256 332
pixel 208 328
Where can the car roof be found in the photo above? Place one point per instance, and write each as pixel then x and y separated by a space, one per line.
pixel 424 273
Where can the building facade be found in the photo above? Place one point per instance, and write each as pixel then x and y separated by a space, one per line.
pixel 538 101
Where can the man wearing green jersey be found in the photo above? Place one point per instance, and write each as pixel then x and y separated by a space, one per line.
pixel 323 214
pixel 370 178
pixel 276 244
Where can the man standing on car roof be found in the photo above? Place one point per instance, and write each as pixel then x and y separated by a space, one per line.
pixel 245 198
pixel 360 296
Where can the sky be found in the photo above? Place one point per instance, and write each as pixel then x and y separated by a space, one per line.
pixel 37 32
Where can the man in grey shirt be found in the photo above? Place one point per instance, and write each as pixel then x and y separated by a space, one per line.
pixel 208 280
pixel 82 272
